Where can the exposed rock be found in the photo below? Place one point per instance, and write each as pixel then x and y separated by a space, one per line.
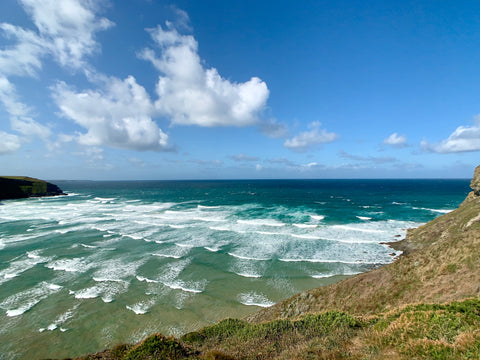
pixel 475 184
pixel 19 187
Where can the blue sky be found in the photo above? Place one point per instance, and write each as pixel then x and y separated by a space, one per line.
pixel 146 89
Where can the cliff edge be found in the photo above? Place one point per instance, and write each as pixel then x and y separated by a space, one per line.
pixel 20 187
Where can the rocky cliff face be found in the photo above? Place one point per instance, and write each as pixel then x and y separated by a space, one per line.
pixel 475 184
pixel 16 187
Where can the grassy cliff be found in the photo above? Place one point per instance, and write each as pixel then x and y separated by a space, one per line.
pixel 19 187
pixel 426 305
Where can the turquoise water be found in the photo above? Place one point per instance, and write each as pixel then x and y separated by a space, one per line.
pixel 115 261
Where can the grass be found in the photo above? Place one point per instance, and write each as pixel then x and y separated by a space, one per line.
pixel 422 331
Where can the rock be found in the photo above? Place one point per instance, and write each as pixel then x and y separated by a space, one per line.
pixel 19 187
pixel 475 183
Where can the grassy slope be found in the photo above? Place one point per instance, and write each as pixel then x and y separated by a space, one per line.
pixel 363 317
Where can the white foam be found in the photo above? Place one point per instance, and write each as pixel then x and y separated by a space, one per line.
pixel 89 293
pixel 211 249
pixel 20 303
pixel 61 319
pixel 247 257
pixel 305 226
pixel 326 275
pixel 22 264
pixel 269 233
pixel 322 276
pixel 209 219
pixel 254 299
pixel 89 246
pixel 70 265
pixel 364 218
pixel 207 207
pixel 262 222
pixel 106 290
pixel 179 285
pixel 140 308
pixel 317 217
pixel 248 275
pixel 144 279
pixel 441 211
pixel 54 287
pixel 327 261
pixel 188 246
pixel 177 226
pixel 358 228
pixel 307 237
pixel 167 256
pixel 133 236
pixel 105 199
pixel 219 228
pixel 117 270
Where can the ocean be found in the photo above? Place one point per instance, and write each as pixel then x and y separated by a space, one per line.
pixel 115 261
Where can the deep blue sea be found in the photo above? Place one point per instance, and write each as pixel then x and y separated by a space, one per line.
pixel 115 261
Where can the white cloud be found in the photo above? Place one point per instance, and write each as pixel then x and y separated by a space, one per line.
pixel 65 31
pixel 20 118
pixel 183 20
pixel 396 140
pixel 191 95
pixel 67 28
pixel 308 139
pixel 9 143
pixel 23 58
pixel 463 139
pixel 119 116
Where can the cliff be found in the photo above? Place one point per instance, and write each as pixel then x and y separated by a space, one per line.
pixel 425 305
pixel 19 187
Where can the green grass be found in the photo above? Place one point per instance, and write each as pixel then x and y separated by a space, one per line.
pixel 423 331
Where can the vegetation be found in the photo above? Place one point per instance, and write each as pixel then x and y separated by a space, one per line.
pixel 18 187
pixel 422 331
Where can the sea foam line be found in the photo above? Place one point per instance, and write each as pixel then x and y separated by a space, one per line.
pixel 247 257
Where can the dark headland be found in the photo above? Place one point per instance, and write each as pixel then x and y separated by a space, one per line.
pixel 20 187
pixel 425 305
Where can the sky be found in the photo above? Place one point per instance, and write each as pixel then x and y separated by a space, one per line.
pixel 239 89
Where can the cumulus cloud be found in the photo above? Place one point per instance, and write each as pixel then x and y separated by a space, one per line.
pixel 9 143
pixel 119 116
pixel 189 94
pixel 463 139
pixel 309 139
pixel 395 140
